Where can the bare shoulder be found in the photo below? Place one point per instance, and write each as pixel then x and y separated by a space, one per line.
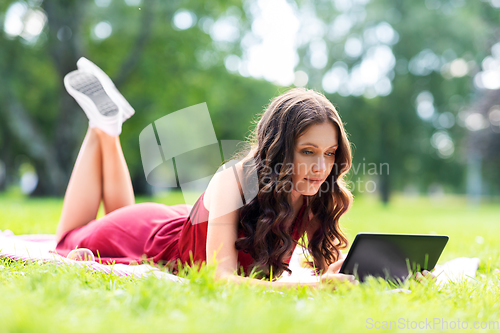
pixel 224 188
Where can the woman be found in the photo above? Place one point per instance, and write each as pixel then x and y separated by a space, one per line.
pixel 300 153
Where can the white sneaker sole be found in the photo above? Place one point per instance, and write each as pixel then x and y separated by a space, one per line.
pixel 95 102
pixel 88 66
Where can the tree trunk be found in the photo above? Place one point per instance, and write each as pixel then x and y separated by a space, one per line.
pixel 41 152
pixel 385 189
pixel 64 14
pixel 54 158
pixel 385 157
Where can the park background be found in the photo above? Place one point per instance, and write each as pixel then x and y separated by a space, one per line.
pixel 415 82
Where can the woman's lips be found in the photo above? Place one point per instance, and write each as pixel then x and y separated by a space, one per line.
pixel 314 180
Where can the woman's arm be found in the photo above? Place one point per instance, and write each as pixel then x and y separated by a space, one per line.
pixel 331 276
pixel 223 201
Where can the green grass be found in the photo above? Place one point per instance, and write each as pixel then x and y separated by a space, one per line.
pixel 50 298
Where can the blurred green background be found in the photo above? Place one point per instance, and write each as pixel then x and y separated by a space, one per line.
pixel 416 82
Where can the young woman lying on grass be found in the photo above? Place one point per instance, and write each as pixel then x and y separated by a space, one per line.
pixel 299 152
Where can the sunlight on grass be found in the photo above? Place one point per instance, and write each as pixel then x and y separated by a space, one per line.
pixel 48 298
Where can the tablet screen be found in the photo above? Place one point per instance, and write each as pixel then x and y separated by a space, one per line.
pixel 393 257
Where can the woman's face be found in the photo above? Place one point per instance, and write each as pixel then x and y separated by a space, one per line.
pixel 314 157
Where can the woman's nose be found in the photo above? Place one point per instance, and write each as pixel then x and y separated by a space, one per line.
pixel 320 165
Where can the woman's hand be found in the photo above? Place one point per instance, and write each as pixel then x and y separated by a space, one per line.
pixel 332 275
pixel 425 276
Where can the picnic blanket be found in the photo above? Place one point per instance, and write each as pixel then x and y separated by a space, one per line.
pixel 41 248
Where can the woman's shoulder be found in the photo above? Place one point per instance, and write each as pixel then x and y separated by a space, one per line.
pixel 225 187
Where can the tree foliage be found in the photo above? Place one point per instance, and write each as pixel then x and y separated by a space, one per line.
pixel 387 129
pixel 161 68
pixel 158 68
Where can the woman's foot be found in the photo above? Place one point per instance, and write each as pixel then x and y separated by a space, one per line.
pixel 86 65
pixel 102 111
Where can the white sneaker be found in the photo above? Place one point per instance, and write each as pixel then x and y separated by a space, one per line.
pixel 101 110
pixel 88 66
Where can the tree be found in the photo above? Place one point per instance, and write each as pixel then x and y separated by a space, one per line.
pixel 160 68
pixel 411 52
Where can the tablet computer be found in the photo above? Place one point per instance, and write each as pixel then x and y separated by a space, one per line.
pixel 393 257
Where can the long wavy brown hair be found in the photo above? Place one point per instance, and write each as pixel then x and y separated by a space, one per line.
pixel 266 219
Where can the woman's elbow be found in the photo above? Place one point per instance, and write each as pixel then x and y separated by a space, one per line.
pixel 224 275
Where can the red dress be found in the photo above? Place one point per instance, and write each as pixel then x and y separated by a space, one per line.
pixel 153 231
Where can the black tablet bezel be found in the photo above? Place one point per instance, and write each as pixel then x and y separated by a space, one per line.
pixel 361 236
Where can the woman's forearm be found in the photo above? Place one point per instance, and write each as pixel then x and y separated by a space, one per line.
pixel 277 284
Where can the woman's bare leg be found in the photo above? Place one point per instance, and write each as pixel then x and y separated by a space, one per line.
pixel 84 192
pixel 100 172
pixel 117 188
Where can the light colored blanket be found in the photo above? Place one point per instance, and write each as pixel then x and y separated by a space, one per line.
pixel 40 248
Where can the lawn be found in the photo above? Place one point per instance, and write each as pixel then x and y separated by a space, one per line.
pixel 48 298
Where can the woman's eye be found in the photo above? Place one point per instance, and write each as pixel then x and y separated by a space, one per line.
pixel 308 152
